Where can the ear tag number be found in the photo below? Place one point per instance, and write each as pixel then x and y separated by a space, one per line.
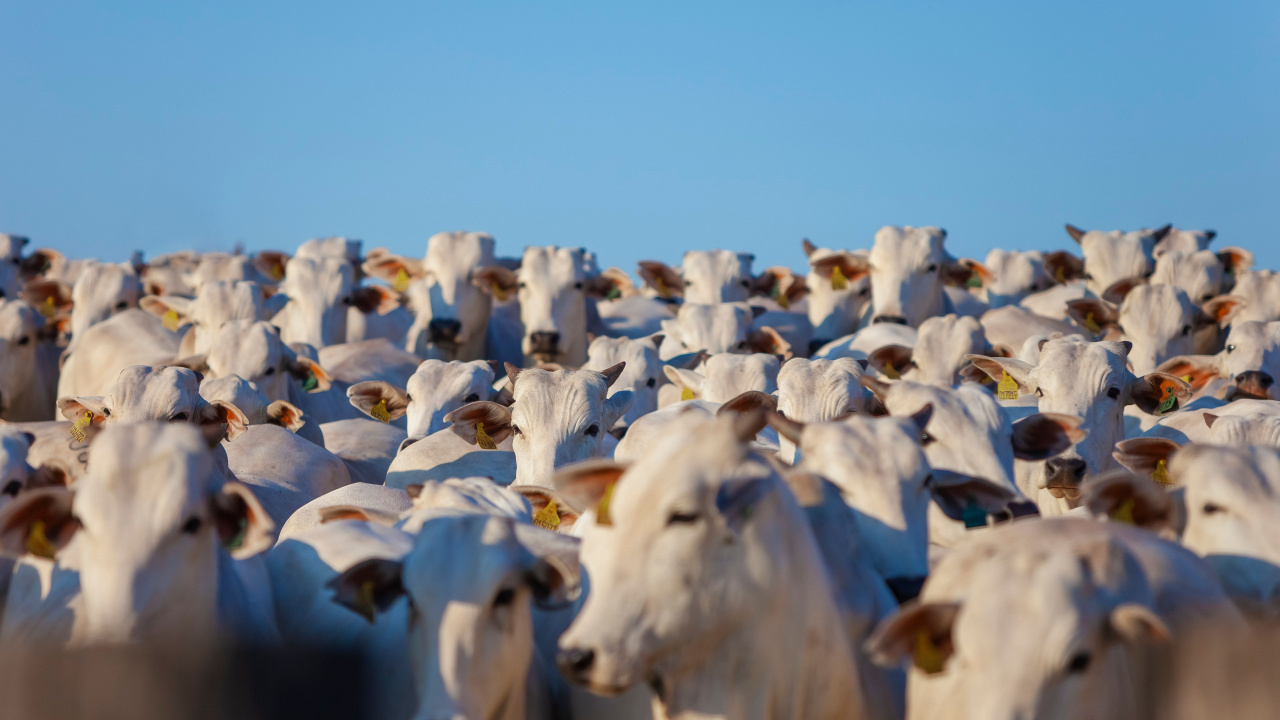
pixel 38 543
pixel 78 427
pixel 170 321
pixel 548 517
pixel 483 439
pixel 1008 387
pixel 838 280
pixel 1161 474
pixel 379 411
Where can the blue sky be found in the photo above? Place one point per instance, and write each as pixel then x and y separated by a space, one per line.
pixel 637 129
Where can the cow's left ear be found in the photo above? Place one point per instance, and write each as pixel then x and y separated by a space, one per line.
pixel 314 378
pixel 996 368
pixel 615 406
pixel 920 631
pixel 39 522
pixel 1235 260
pixel 1063 267
pixel 1143 455
pixel 1219 310
pixel 540 499
pixel 584 484
pixel 552 568
pixel 1133 623
pixel 365 396
pixel 662 278
pixel 964 272
pixel 767 340
pixel 74 408
pixel 1195 369
pixel 243 526
pixel 610 284
pixel 286 415
pixel 687 380
pixel 1126 497
pixel 220 420
pixel 1151 393
pixel 495 418
pixel 891 360
pixel 956 493
pixel 368 587
pixel 737 498
pixel 375 299
pixel 1095 315
pixel 1044 435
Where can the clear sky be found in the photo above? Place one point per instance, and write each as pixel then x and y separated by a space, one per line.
pixel 639 129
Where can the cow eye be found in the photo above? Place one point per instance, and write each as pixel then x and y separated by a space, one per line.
pixel 742 345
pixel 12 487
pixel 346 300
pixel 1186 330
pixel 1039 393
pixel 682 518
pixel 1206 297
pixel 505 597
pixel 932 268
pixel 522 286
pixel 191 525
pixel 515 430
pixel 577 286
pixel 1230 349
pixel 471 398
pixel 864 291
pixel 1088 276
pixel 593 430
pixel 269 371
pixel 1210 508
pixel 688 283
pixel 1113 393
pixel 24 340
pixel 926 439
pixel 180 417
pixel 122 305
pixel 746 284
pixel 651 382
pixel 106 412
pixel 1079 663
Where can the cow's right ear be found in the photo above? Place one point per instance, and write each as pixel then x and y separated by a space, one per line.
pixel 243 526
pixel 38 522
pixel 1195 369
pixel 1152 391
pixel 1090 313
pixel 219 420
pixel 365 396
pixel 43 293
pixel 1144 454
pixel 1044 435
pixel 74 408
pixel 891 360
pixel 368 587
pixel 496 419
pixel 920 631
pixel 690 380
pixel 497 281
pixel 271 263
pixel 583 484
pixel 162 305
pixel 954 493
pixel 1063 267
pixel 995 368
pixel 286 415
pixel 767 340
pixel 387 267
pixel 664 279
pixel 197 363
pixel 1126 497
pixel 539 499
pixel 305 369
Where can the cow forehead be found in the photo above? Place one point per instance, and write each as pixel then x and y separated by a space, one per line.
pixel 330 247
pixel 724 263
pixel 552 265
pixel 1067 361
pixel 242 344
pixel 17 318
pixel 458 251
pixel 140 385
pixel 308 275
pixel 163 466
pixel 433 376
pixel 235 390
pixel 1157 302
pixel 858 444
pixel 906 247
pixel 461 558
pixel 573 387
pixel 1250 474
pixel 801 373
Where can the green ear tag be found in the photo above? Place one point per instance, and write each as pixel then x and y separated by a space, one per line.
pixel 311 383
pixel 614 293
pixel 1170 401
pixel 234 543
pixel 973 516
pixel 974 281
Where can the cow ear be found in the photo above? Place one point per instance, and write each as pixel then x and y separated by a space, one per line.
pixel 583 484
pixel 1075 232
pixel 304 369
pixel 1134 623
pixel 749 401
pixel 610 284
pixel 375 299
pixel 53 473
pixel 767 340
pixel 1150 393
pixel 39 262
pixel 220 419
pixel 615 406
pixel 663 279
pixel 45 293
pixel 962 271
pixel 74 408
pixel 162 305
pixel 852 267
pixel 552 571
pixel 737 497
pixel 387 267
pixel 243 526
pixel 369 587
pixel 271 263
pixel 1161 232
pixel 1200 369
pixel 1234 260
pixel 1044 435
pixel 540 498
pixel 891 360
pixel 1117 291
pixel 1063 267
pixel 1220 310
pixel 785 426
pixel 996 368
pixel 1126 497
pixel 365 396
pixel 496 280
pixel 496 419
pixel 919 631
pixel 353 512
pixel 286 415
pixel 687 361
pixel 1144 455
pixel 1090 313
pixel 955 493
pixel 690 380
pixel 38 522
pixel 809 248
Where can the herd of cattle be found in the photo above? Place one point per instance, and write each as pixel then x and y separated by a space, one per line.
pixel 902 484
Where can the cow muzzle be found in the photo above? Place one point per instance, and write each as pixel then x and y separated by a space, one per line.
pixel 1253 385
pixel 1063 477
pixel 443 331
pixel 576 663
pixel 544 345
pixel 890 319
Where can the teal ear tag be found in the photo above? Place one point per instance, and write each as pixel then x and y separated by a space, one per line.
pixel 234 543
pixel 974 281
pixel 974 516
pixel 1170 401
pixel 614 293
pixel 311 382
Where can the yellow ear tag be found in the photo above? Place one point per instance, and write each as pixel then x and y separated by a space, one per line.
pixel 779 296
pixel 1008 387
pixel 663 290
pixel 1061 276
pixel 497 291
pixel 38 543
pixel 170 321
pixel 47 308
pixel 926 655
pixel 78 427
pixel 401 283
pixel 602 508
pixel 363 602
pixel 686 394
pixel 548 517
pixel 380 412
pixel 838 280
pixel 1124 513
pixel 483 439
pixel 1161 474
pixel 891 372
pixel 1090 324
pixel 1188 379
pixel 277 272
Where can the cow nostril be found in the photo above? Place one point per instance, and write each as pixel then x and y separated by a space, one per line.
pixel 891 319
pixel 575 663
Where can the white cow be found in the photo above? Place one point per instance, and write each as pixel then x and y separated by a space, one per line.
pixel 446 293
pixel 257 409
pixel 718 328
pixel 161 544
pixel 216 302
pixel 705 277
pixel 320 291
pixel 1261 292
pixel 1091 381
pixel 435 389
pixel 1250 359
pixel 707 584
pixel 29 365
pixel 1113 256
pixel 939 352
pixel 1072 598
pixel 836 301
pixel 909 267
pixel 94 359
pixel 814 391
pixel 725 376
pixel 101 291
pixel 642 371
pixel 1201 275
pixel 1012 275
